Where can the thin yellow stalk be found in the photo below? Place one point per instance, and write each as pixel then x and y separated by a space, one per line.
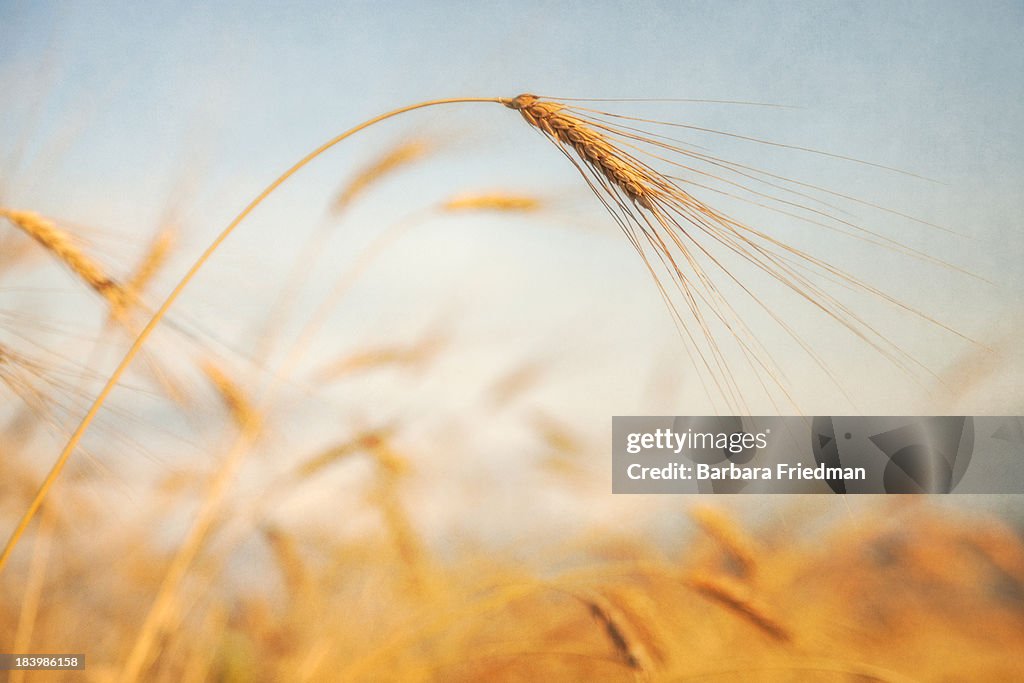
pixel 407 542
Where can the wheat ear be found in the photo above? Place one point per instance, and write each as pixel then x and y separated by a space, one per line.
pixel 740 548
pixel 592 147
pixel 242 411
pixel 153 260
pixel 492 201
pixel 736 597
pixel 60 244
pixel 398 157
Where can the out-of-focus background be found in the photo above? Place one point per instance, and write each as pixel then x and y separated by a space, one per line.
pixel 452 397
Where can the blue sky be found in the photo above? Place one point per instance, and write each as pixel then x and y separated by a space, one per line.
pixel 240 90
pixel 323 63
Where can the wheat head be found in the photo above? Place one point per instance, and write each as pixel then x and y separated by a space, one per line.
pixel 492 201
pixel 60 244
pixel 241 409
pixel 590 145
pixel 401 155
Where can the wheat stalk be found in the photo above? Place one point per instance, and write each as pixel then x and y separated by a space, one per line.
pixel 390 466
pixel 34 589
pixel 119 297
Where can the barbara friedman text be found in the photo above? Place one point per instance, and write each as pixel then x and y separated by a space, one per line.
pixel 700 471
pixel 734 443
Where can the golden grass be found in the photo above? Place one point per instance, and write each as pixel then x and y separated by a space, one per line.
pixel 653 621
pixel 363 442
pixel 695 251
pixel 502 202
pixel 901 593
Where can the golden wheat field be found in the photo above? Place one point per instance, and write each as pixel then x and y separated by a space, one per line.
pixel 314 318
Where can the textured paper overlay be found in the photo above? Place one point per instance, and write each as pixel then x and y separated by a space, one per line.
pixel 942 454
